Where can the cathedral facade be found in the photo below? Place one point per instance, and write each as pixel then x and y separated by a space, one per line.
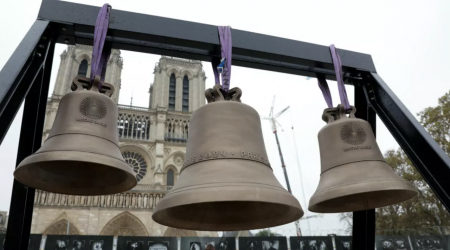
pixel 152 140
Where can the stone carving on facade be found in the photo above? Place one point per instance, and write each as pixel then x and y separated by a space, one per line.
pixel 178 158
pixel 116 58
pixel 151 148
pixel 133 201
pixel 57 197
pixel 139 200
pixel 180 61
pixel 43 194
pixel 175 232
pixel 177 130
pixel 167 151
pixel 125 224
pixel 60 228
pixel 157 69
pixel 63 55
pixel 50 198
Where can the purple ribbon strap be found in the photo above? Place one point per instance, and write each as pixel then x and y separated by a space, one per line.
pixel 323 85
pixel 225 42
pixel 100 57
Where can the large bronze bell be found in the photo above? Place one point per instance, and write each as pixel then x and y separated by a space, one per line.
pixel 81 154
pixel 226 182
pixel 355 175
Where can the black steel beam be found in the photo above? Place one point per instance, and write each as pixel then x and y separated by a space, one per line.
pixel 364 221
pixel 22 198
pixel 165 36
pixel 72 23
pixel 19 72
pixel 426 155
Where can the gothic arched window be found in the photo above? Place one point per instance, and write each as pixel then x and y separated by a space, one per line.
pixel 185 94
pixel 172 88
pixel 170 177
pixel 82 70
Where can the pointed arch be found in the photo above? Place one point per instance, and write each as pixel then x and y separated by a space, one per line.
pixel 170 178
pixel 83 68
pixel 180 153
pixel 175 232
pixel 125 224
pixel 60 228
pixel 188 73
pixel 173 70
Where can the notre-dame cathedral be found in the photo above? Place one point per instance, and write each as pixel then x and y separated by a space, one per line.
pixel 152 140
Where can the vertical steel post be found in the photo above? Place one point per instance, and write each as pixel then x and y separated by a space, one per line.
pixel 364 221
pixel 22 200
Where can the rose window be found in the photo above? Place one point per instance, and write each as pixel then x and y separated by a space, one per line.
pixel 137 163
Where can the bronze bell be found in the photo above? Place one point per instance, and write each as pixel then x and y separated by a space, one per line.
pixel 355 175
pixel 226 182
pixel 81 155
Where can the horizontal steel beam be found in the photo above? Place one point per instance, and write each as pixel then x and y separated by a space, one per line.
pixel 171 37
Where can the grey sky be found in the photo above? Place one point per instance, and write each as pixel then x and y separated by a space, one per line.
pixel 408 40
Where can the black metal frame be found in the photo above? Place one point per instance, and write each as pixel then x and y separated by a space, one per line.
pixel 26 77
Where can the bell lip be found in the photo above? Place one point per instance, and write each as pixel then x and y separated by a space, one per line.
pixel 392 184
pixel 22 170
pixel 295 211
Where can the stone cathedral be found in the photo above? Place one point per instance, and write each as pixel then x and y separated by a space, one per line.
pixel 152 140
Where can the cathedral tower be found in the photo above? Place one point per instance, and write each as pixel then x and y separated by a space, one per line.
pixel 179 85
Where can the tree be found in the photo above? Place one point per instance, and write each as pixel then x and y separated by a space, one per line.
pixel 265 233
pixel 347 218
pixel 424 214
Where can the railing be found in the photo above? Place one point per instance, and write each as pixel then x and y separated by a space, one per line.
pixel 54 97
pixel 181 59
pixel 152 187
pixel 134 125
pixel 130 199
pixel 171 137
pixel 122 106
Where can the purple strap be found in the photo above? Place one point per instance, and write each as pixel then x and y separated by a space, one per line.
pixel 225 42
pixel 323 85
pixel 100 57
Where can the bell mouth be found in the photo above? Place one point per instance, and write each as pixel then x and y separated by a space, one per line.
pixel 362 201
pixel 75 173
pixel 360 186
pixel 227 215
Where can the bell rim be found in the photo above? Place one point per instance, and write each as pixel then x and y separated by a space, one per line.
pixel 384 185
pixel 284 199
pixel 294 212
pixel 29 162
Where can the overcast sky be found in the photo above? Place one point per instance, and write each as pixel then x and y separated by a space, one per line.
pixel 409 42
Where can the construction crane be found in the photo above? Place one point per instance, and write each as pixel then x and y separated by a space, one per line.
pixel 274 123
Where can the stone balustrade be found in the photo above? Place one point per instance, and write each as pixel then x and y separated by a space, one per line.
pixel 130 200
